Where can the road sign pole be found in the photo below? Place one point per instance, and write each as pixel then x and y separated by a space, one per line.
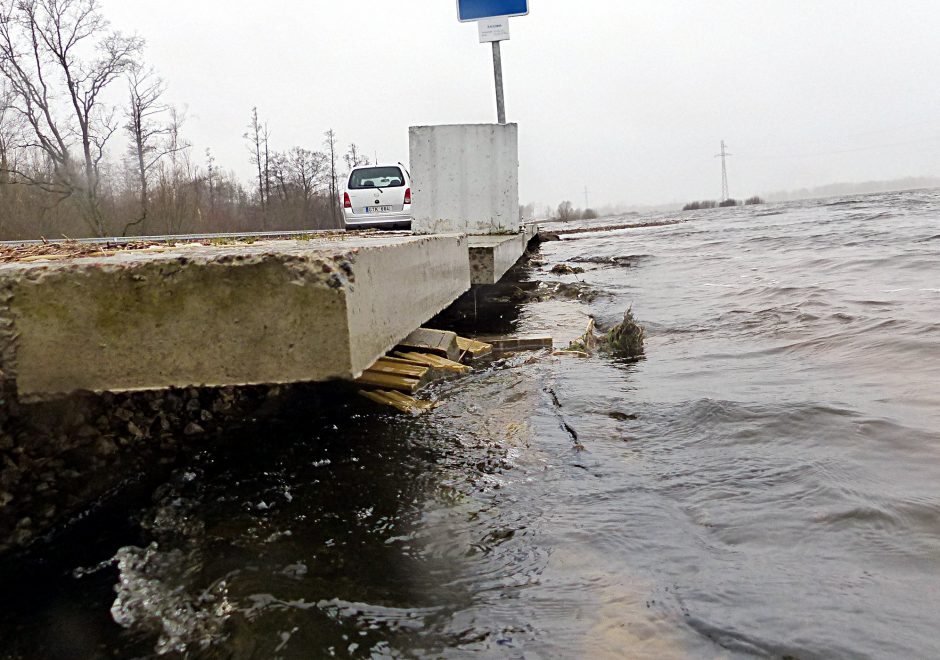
pixel 498 72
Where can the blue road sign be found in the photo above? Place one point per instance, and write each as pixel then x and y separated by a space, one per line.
pixel 474 10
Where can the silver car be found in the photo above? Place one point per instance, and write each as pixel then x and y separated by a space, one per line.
pixel 378 196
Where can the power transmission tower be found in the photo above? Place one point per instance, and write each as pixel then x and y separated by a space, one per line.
pixel 587 200
pixel 724 171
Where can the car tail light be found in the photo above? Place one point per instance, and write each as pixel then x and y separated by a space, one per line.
pixel 346 203
pixel 408 196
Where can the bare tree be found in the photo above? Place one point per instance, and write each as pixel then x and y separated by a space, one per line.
pixel 280 175
pixel 10 135
pixel 11 127
pixel 353 158
pixel 330 144
pixel 566 211
pixel 257 137
pixel 306 170
pixel 211 176
pixel 149 136
pixel 59 92
pixel 176 179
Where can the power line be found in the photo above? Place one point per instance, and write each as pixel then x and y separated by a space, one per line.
pixel 875 147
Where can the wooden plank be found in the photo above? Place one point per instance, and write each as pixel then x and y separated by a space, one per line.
pixel 378 379
pixel 410 401
pixel 436 362
pixel 426 340
pixel 399 369
pixel 397 400
pixel 580 354
pixel 381 397
pixel 522 344
pixel 420 358
pixel 473 348
pixel 398 360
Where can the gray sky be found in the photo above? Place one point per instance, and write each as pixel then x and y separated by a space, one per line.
pixel 629 98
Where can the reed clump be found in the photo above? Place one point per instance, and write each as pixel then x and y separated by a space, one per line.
pixel 624 340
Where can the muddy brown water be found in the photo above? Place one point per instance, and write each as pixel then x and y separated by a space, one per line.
pixel 763 483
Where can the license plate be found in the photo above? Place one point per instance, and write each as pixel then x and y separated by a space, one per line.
pixel 378 209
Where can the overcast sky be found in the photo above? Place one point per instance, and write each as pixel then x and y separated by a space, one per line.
pixel 629 98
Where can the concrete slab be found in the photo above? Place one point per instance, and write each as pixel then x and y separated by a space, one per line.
pixel 194 315
pixel 491 256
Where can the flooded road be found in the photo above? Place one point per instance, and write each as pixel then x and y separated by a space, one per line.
pixel 763 483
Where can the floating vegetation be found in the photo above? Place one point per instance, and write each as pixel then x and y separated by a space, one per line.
pixel 565 269
pixel 626 261
pixel 624 340
pixel 574 291
pixel 587 343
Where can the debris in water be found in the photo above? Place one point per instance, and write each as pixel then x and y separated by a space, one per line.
pixel 473 348
pixel 438 342
pixel 588 341
pixel 409 370
pixel 403 375
pixel 626 338
pixel 434 361
pixel 622 417
pixel 575 291
pixel 397 400
pixel 571 353
pixel 623 340
pixel 521 344
pixel 565 269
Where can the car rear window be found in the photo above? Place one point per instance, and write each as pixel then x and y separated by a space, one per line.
pixel 376 177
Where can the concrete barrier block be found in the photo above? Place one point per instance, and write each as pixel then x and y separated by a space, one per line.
pixel 465 178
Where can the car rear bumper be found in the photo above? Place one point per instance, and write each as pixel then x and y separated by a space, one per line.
pixel 358 220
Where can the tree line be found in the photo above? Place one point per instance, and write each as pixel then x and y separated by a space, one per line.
pixel 712 204
pixel 61 64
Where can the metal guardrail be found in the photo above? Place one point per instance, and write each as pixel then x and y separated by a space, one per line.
pixel 123 240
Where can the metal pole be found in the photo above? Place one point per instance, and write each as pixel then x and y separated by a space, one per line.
pixel 498 71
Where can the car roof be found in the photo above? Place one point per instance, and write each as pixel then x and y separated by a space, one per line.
pixel 366 167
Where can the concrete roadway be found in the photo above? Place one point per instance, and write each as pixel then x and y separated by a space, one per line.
pixel 271 311
pixel 256 235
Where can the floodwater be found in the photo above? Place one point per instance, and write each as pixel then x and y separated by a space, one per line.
pixel 765 482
